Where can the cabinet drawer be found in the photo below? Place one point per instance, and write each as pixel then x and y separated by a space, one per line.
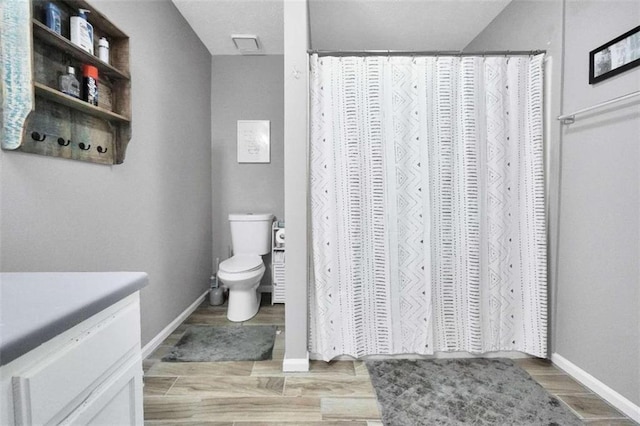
pixel 51 389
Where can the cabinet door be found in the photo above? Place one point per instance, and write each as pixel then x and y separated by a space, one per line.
pixel 50 390
pixel 117 402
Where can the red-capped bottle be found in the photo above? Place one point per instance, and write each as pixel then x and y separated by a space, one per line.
pixel 90 84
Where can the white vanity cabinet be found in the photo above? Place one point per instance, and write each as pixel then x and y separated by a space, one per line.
pixel 89 374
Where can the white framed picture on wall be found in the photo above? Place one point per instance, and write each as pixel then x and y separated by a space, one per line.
pixel 254 141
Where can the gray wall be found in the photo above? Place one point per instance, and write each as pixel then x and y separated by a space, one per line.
pixel 598 306
pixel 152 213
pixel 596 315
pixel 398 25
pixel 245 88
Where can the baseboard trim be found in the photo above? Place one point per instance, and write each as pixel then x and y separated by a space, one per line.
pixel 155 342
pixel 295 365
pixel 605 392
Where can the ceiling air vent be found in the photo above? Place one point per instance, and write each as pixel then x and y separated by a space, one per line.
pixel 247 44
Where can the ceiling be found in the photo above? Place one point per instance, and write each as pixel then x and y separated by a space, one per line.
pixel 215 20
pixel 344 24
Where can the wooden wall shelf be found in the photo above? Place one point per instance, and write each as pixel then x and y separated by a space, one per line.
pixel 77 104
pixel 50 38
pixel 63 126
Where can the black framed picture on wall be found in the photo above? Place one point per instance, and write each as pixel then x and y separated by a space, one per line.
pixel 619 55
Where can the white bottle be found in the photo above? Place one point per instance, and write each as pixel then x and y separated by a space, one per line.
pixel 82 31
pixel 103 49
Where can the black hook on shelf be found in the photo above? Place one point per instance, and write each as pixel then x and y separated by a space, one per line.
pixel 40 137
pixel 37 137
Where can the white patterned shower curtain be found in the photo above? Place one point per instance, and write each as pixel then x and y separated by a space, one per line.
pixel 427 205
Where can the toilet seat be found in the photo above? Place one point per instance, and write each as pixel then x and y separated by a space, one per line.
pixel 241 263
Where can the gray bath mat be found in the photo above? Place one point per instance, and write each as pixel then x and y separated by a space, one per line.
pixel 202 343
pixel 463 392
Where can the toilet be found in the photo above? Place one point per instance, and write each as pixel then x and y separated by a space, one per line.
pixel 241 273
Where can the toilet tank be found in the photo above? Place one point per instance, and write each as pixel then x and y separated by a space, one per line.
pixel 251 233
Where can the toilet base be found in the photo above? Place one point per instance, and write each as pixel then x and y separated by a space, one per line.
pixel 243 304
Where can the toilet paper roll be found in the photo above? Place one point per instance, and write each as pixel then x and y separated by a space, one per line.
pixel 280 238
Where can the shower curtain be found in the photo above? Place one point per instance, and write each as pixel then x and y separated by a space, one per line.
pixel 427 205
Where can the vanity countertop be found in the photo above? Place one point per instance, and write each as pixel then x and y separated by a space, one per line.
pixel 37 306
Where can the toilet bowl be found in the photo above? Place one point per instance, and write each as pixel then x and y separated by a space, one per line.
pixel 241 274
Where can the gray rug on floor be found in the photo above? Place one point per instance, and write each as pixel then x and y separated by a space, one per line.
pixel 203 343
pixel 463 392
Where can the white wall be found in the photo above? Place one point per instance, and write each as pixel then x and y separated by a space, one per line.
pixel 296 89
pixel 152 213
pixel 596 297
pixel 245 88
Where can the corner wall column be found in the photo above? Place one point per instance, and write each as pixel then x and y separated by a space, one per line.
pixel 296 89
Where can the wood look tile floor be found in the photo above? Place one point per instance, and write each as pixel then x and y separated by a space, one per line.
pixel 339 393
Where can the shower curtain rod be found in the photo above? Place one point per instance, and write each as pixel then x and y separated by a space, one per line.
pixel 423 53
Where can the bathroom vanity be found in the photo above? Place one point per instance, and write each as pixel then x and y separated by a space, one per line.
pixel 70 348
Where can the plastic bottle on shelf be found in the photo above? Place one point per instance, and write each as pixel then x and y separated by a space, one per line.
pixel 90 84
pixel 52 18
pixel 69 84
pixel 103 50
pixel 82 31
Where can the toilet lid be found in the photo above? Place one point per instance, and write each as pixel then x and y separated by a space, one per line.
pixel 241 263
